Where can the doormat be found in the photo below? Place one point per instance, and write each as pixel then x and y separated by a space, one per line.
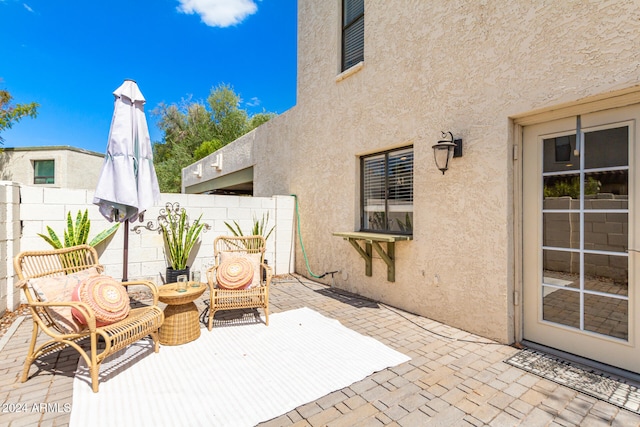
pixel 580 378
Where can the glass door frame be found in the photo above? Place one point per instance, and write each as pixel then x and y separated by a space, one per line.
pixel 547 287
pixel 599 111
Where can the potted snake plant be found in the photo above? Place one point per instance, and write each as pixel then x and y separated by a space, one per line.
pixel 259 228
pixel 77 233
pixel 180 237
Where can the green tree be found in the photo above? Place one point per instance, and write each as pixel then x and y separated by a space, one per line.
pixel 193 130
pixel 206 148
pixel 571 187
pixel 229 120
pixel 169 170
pixel 259 119
pixel 11 114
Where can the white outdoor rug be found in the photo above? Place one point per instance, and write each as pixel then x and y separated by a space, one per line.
pixel 232 376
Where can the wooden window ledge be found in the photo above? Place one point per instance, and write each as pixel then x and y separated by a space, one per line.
pixel 372 241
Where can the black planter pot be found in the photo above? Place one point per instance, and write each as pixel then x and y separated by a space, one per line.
pixel 171 275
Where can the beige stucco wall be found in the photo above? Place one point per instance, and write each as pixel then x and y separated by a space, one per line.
pixel 432 66
pixel 74 168
pixel 242 155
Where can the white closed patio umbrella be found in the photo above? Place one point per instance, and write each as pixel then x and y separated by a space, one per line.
pixel 127 185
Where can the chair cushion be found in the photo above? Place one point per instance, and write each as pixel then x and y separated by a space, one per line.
pixel 105 296
pixel 254 259
pixel 235 273
pixel 59 289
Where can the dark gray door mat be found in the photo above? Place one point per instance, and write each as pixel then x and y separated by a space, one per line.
pixel 584 379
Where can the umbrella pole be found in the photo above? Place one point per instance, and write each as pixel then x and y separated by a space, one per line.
pixel 125 253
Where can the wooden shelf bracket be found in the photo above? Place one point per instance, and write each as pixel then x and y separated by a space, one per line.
pixel 364 243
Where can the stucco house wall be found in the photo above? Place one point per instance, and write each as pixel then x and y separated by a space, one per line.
pixel 432 66
pixel 73 167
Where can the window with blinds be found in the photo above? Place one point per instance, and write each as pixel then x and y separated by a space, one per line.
pixel 387 192
pixel 43 172
pixel 352 33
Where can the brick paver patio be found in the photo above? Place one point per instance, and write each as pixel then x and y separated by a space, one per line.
pixel 453 379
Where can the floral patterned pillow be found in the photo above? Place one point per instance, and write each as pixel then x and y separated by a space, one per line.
pixel 106 297
pixel 234 273
pixel 254 260
pixel 60 289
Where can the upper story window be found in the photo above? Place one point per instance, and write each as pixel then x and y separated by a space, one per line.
pixel 43 172
pixel 352 33
pixel 387 191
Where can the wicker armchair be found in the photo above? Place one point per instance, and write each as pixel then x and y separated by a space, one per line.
pixel 61 264
pixel 257 294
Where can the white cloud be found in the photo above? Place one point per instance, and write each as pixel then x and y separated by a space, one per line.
pixel 219 13
pixel 26 6
pixel 255 101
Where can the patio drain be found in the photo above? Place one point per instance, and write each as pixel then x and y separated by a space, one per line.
pixel 583 379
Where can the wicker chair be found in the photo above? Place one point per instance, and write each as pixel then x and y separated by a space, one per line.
pixel 257 294
pixel 58 263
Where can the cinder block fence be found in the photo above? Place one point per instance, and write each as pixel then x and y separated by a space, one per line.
pixel 27 210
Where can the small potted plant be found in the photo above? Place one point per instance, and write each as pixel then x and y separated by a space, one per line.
pixel 259 229
pixel 180 236
pixel 77 233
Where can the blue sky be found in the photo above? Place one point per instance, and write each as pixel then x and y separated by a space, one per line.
pixel 69 56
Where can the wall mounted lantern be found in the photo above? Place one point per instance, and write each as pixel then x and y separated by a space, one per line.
pixel 445 150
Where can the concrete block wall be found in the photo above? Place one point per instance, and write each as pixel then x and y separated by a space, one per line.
pixel 33 208
pixel 603 231
pixel 9 241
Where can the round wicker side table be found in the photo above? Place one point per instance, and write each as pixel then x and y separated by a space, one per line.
pixel 181 324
